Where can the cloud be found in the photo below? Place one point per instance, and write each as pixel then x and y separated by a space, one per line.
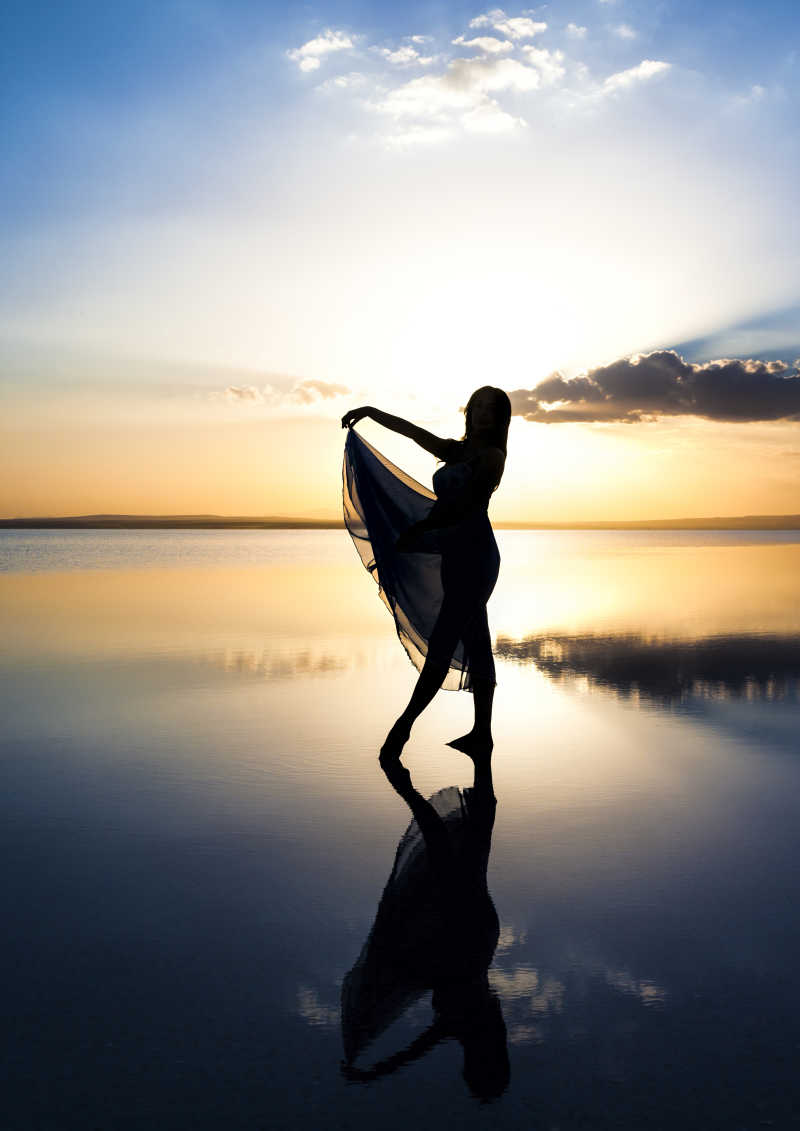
pixel 755 94
pixel 307 392
pixel 463 88
pixel 576 31
pixel 647 386
pixel 236 394
pixel 622 80
pixel 515 27
pixel 404 56
pixel 308 56
pixel 489 118
pixel 549 64
pixel 625 31
pixel 486 43
pixel 343 82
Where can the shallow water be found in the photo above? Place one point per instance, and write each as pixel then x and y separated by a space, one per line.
pixel 196 834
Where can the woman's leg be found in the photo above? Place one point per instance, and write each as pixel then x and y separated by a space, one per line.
pixel 441 646
pixel 478 643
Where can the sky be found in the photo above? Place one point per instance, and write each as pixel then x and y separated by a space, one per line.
pixel 224 224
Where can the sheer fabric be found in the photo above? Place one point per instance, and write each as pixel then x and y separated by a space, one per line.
pixel 437 594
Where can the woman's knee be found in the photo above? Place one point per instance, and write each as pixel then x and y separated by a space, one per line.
pixel 436 668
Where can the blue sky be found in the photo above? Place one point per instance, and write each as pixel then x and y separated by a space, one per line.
pixel 243 209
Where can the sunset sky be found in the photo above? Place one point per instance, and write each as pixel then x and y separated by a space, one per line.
pixel 223 224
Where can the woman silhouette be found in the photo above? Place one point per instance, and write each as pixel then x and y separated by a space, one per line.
pixel 434 557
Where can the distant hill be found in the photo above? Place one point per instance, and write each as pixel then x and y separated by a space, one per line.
pixel 171 522
pixel 726 522
pixel 274 522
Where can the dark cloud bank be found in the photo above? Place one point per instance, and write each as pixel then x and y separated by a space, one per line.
pixel 647 386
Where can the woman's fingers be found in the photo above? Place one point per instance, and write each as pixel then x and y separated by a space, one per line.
pixel 352 416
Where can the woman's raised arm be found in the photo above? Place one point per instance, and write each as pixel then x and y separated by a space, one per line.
pixel 427 440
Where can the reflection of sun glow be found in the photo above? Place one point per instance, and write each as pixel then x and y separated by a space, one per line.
pixel 598 582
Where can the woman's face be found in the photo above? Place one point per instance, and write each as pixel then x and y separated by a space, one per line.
pixel 483 411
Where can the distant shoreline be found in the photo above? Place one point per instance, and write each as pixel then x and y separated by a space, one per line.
pixel 220 522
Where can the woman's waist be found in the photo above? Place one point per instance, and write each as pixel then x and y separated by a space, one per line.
pixel 474 531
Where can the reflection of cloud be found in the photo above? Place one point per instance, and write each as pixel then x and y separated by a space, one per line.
pixel 312 1010
pixel 648 992
pixel 646 386
pixel 715 667
pixel 535 1000
pixel 541 993
pixel 269 664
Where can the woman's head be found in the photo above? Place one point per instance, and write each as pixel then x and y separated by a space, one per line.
pixel 487 415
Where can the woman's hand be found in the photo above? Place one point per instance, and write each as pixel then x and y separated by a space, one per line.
pixel 355 414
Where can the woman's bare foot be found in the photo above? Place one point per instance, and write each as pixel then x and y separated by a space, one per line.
pixel 395 741
pixel 475 744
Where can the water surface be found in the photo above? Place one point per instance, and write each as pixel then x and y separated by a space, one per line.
pixel 196 835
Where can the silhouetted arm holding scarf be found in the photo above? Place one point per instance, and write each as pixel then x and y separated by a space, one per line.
pixel 427 440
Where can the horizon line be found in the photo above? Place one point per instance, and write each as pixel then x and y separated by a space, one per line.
pixel 276 522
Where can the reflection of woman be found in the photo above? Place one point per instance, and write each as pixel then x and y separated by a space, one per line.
pixel 436 928
pixel 441 618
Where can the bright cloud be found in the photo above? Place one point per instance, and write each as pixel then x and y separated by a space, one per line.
pixel 625 31
pixel 515 27
pixel 462 93
pixel 464 87
pixel 404 56
pixel 489 118
pixel 549 64
pixel 486 43
pixel 309 55
pixel 622 80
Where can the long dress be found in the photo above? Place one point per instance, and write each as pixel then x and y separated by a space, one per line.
pixel 437 593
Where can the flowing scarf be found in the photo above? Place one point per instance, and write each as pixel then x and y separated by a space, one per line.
pixel 380 502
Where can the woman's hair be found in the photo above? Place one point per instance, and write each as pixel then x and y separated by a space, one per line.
pixel 502 416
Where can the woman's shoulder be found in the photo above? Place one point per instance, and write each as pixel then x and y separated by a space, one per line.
pixel 454 451
pixel 459 451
